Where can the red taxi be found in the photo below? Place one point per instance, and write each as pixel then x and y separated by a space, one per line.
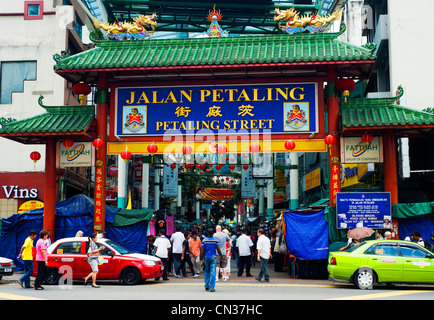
pixel 115 262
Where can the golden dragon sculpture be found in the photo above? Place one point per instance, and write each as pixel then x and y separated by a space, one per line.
pixel 141 22
pixel 293 18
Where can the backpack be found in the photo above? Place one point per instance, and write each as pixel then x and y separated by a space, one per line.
pixel 428 245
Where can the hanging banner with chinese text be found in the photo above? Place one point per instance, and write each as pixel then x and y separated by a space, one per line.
pixel 231 109
pixel 98 198
pixel 170 181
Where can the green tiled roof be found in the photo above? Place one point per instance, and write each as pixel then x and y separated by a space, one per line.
pixel 381 112
pixel 324 47
pixel 57 120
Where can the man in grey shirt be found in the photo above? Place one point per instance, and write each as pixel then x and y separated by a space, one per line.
pixel 222 260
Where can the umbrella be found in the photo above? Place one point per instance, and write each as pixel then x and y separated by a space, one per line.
pixel 359 233
pixel 228 221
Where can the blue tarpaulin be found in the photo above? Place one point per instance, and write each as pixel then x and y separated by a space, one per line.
pixel 306 234
pixel 409 225
pixel 72 215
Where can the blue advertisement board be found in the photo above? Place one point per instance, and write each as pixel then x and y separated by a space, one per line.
pixel 230 109
pixel 363 209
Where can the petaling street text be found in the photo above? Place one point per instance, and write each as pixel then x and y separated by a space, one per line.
pixel 215 125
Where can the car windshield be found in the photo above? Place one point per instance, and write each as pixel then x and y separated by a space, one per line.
pixel 355 247
pixel 117 247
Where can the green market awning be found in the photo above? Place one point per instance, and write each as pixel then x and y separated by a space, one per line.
pixel 126 217
pixel 412 210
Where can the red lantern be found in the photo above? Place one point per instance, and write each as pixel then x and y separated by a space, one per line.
pixel 254 148
pixel 67 143
pixel 289 145
pixel 232 167
pixel 98 143
pixel 152 148
pixel 245 167
pixel 35 156
pixel 367 138
pixel 221 149
pixel 81 89
pixel 126 154
pixel 329 140
pixel 187 149
pixel 173 166
pixel 207 170
pixel 345 85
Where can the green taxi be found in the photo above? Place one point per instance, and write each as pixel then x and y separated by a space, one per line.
pixel 382 261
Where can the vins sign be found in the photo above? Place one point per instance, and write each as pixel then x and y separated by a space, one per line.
pixel 17 193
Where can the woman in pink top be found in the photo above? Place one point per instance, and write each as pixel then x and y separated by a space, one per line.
pixel 41 259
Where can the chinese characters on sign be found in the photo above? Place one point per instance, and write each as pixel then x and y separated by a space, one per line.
pixel 99 188
pixel 334 181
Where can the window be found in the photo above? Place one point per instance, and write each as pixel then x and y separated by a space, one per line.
pixel 386 249
pixel 12 76
pixel 68 248
pixel 33 10
pixel 409 250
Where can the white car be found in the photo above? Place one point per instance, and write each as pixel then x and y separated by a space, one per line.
pixel 7 267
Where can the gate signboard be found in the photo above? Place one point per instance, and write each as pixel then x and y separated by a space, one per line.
pixel 230 109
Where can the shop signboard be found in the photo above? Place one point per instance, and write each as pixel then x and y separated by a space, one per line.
pixel 218 109
pixel 209 193
pixel 354 150
pixel 363 209
pixel 30 205
pixel 312 179
pixel 78 155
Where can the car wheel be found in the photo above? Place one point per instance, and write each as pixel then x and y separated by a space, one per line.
pixel 364 278
pixel 52 277
pixel 131 276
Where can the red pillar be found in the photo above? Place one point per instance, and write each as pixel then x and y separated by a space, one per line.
pixel 50 186
pixel 390 166
pixel 333 128
pixel 101 161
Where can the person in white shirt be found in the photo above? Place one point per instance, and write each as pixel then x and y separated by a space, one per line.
pixel 264 254
pixel 177 240
pixel 417 238
pixel 244 245
pixel 162 247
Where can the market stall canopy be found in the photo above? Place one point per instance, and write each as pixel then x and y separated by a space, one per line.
pixel 76 122
pixel 300 55
pixel 412 210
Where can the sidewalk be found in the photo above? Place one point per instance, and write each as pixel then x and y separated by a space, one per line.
pixel 275 277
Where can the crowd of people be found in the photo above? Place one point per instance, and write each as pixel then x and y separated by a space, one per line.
pixel 211 251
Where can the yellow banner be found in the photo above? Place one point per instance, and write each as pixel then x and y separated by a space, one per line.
pixel 313 179
pixel 166 147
